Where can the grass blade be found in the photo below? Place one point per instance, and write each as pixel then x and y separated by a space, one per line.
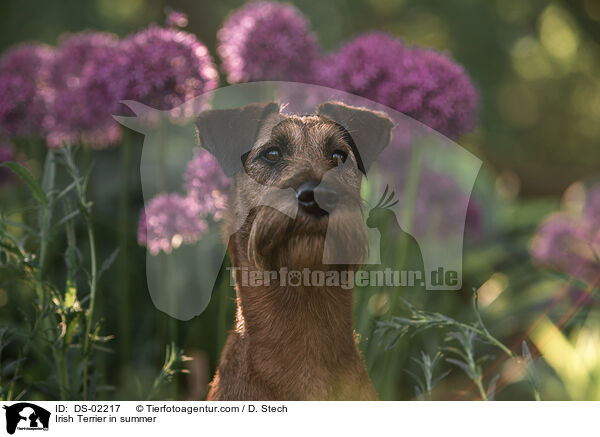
pixel 28 178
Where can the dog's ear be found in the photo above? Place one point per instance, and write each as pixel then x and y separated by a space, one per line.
pixel 228 134
pixel 369 131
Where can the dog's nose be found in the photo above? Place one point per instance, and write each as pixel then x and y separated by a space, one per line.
pixel 316 199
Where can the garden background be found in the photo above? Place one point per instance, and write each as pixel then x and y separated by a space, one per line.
pixel 535 328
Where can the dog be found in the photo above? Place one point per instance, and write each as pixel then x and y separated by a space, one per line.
pixel 293 342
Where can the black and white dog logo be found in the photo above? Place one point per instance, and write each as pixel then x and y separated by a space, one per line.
pixel 26 416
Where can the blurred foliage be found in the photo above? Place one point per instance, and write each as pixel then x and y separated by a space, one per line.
pixel 536 65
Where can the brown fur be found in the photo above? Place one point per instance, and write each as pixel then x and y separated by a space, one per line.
pixel 293 343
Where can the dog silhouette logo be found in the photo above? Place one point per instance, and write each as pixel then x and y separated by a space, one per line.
pixel 26 416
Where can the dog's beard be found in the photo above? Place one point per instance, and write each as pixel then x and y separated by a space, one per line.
pixel 335 241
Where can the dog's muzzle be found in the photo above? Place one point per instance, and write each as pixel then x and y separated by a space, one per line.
pixel 316 199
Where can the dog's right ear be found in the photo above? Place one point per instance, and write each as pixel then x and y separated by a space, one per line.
pixel 228 134
pixel 370 131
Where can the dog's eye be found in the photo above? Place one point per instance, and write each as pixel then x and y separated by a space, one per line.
pixel 272 154
pixel 339 157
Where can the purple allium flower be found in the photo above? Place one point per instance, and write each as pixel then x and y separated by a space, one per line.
pixel 88 77
pixel 168 67
pixel 363 64
pixel 206 184
pixel 267 41
pixel 176 19
pixel 570 243
pixel 6 154
pixel 168 221
pixel 423 84
pixel 23 78
pixel 556 242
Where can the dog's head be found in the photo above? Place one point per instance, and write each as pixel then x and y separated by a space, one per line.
pixel 319 158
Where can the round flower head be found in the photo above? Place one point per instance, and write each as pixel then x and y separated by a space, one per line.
pixel 449 99
pixel 168 67
pixel 568 243
pixel 88 77
pixel 420 83
pixel 23 82
pixel 266 41
pixel 362 65
pixel 168 221
pixel 206 184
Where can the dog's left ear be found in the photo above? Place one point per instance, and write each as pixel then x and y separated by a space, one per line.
pixel 228 134
pixel 370 131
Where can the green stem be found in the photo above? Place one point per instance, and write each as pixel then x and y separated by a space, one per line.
pixel 42 258
pixel 48 184
pixel 411 193
pixel 481 389
pixel 484 331
pixel 85 208
pixel 11 389
pixel 485 334
pixel 123 227
pixel 391 361
pixel 93 289
pixel 48 179
pixel 62 374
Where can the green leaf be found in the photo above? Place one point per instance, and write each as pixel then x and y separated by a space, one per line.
pixel 531 370
pixel 108 262
pixel 526 352
pixel 465 368
pixel 74 326
pixel 12 249
pixel 417 379
pixel 66 218
pixel 439 378
pixel 49 175
pixel 19 225
pixel 492 387
pixel 9 367
pixel 24 174
pixel 66 191
pixel 100 388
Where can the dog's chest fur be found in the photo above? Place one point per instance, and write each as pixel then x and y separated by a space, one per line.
pixel 289 343
pixel 294 345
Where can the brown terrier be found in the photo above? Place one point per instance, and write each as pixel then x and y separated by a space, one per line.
pixel 293 342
